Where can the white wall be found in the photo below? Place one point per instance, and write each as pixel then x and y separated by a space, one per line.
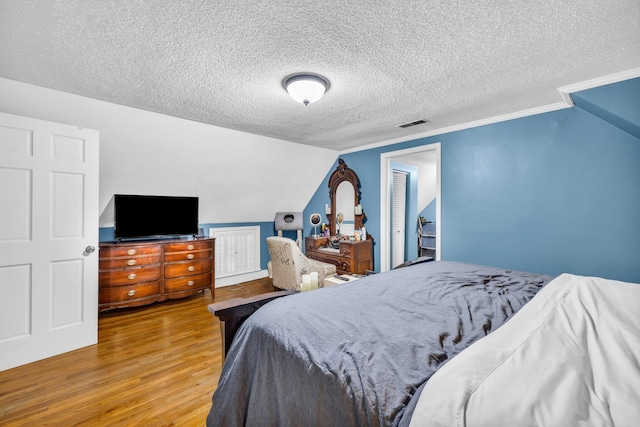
pixel 426 163
pixel 239 177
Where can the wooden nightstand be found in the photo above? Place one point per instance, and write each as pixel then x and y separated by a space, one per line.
pixel 351 257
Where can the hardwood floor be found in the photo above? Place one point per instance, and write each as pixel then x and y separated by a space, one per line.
pixel 153 366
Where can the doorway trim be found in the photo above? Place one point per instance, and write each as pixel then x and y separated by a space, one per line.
pixel 385 200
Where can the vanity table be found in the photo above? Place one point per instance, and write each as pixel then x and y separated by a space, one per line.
pixel 345 212
pixel 351 257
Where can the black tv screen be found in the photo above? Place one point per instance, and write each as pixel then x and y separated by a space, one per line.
pixel 154 216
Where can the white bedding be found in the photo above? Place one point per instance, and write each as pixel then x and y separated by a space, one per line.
pixel 570 357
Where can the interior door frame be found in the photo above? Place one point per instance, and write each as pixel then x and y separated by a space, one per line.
pixel 385 200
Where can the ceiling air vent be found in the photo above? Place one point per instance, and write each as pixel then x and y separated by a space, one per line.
pixel 417 122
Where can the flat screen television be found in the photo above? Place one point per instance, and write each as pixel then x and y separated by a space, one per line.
pixel 139 216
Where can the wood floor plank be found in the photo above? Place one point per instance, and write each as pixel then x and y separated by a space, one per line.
pixel 153 366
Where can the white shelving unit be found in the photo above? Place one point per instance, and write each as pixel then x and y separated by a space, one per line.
pixel 426 239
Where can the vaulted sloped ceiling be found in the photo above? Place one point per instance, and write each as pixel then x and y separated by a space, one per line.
pixel 222 62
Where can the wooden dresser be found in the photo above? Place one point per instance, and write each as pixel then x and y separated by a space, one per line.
pixel 352 257
pixel 141 272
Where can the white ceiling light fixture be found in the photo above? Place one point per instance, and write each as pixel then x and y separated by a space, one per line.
pixel 306 88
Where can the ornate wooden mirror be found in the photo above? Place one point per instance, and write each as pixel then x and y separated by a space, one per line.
pixel 344 194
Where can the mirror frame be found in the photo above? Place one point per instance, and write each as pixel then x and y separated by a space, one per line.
pixel 341 174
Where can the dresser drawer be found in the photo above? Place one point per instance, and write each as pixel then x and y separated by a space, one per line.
pixel 132 261
pixel 186 256
pixel 187 268
pixel 190 245
pixel 312 243
pixel 136 273
pixel 129 293
pixel 352 257
pixel 341 263
pixel 188 283
pixel 327 258
pixel 129 250
pixel 129 276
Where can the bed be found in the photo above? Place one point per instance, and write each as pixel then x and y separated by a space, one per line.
pixel 370 352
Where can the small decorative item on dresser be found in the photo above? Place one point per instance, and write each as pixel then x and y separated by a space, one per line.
pixel 315 219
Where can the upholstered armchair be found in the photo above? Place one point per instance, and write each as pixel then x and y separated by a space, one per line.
pixel 285 221
pixel 288 264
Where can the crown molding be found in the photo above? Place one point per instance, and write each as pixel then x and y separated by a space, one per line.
pixel 564 91
pixel 600 81
pixel 476 123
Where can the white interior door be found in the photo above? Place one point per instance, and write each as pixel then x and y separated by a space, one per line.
pixel 398 214
pixel 48 232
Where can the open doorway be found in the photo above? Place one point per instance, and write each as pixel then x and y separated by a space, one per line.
pixel 415 159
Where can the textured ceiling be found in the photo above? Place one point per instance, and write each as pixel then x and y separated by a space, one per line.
pixel 389 62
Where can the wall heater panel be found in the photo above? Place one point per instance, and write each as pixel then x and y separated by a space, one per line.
pixel 237 250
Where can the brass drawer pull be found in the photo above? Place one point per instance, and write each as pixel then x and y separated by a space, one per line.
pixel 131 252
pixel 131 293
pixel 132 276
pixel 190 247
pixel 191 256
pixel 131 262
pixel 191 268
pixel 191 283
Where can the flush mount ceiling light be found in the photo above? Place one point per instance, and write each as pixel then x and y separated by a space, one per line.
pixel 305 88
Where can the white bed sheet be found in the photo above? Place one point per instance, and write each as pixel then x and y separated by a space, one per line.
pixel 570 357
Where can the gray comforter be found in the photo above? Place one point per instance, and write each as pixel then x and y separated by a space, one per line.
pixel 358 354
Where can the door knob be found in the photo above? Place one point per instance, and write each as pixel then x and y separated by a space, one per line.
pixel 90 249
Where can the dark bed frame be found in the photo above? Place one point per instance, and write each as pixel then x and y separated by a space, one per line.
pixel 232 314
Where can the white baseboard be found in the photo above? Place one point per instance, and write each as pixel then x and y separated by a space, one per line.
pixel 240 278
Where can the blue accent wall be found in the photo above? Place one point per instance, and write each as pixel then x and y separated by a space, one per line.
pixel 429 212
pixel 317 203
pixel 105 234
pixel 552 193
pixel 618 104
pixel 367 165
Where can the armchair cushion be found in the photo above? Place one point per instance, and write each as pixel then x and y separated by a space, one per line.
pixel 288 264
